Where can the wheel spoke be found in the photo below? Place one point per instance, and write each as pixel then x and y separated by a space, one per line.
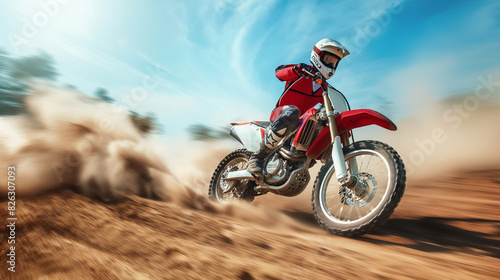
pixel 357 212
pixel 340 210
pixel 369 162
pixel 331 196
pixel 377 164
pixel 365 210
pixel 375 175
pixel 350 212
pixel 361 164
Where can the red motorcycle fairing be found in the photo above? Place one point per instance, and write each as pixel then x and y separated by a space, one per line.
pixel 347 121
pixel 303 119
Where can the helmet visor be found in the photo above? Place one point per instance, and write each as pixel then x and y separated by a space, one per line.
pixel 331 60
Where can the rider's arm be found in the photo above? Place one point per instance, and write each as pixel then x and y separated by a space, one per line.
pixel 286 72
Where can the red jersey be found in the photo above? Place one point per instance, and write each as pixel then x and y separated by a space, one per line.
pixel 299 91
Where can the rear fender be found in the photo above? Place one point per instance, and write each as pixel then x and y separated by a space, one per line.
pixel 249 134
pixel 347 121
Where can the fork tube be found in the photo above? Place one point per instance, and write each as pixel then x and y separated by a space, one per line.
pixel 353 164
pixel 337 153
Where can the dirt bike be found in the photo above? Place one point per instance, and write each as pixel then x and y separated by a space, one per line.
pixel 357 188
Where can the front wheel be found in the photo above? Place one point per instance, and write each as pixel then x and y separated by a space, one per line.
pixel 380 182
pixel 243 189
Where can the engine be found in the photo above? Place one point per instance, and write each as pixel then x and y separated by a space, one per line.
pixel 286 172
pixel 277 170
pixel 280 165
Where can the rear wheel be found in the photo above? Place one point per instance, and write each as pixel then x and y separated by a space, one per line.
pixel 380 176
pixel 243 189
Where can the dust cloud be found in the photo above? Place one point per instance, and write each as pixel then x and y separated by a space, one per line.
pixel 458 133
pixel 68 139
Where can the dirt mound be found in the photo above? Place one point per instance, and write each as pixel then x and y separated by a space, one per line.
pixel 446 228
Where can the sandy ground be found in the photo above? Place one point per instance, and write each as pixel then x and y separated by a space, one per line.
pixel 445 228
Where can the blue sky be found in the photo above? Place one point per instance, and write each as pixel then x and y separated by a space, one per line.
pixel 213 62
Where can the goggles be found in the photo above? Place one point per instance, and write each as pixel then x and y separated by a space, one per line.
pixel 330 60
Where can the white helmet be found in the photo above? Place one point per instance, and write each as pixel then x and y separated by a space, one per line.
pixel 326 55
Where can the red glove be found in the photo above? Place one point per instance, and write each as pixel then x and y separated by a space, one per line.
pixel 299 68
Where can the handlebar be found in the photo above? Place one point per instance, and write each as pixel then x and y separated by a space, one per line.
pixel 318 78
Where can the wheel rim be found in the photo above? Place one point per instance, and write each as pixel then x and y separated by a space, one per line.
pixel 349 206
pixel 233 165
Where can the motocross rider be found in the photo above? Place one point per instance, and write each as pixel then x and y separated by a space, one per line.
pixel 301 93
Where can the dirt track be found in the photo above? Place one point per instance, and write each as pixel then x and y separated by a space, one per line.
pixel 443 229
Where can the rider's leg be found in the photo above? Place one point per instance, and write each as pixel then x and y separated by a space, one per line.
pixel 284 120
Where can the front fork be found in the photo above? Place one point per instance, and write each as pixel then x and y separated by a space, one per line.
pixel 343 177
